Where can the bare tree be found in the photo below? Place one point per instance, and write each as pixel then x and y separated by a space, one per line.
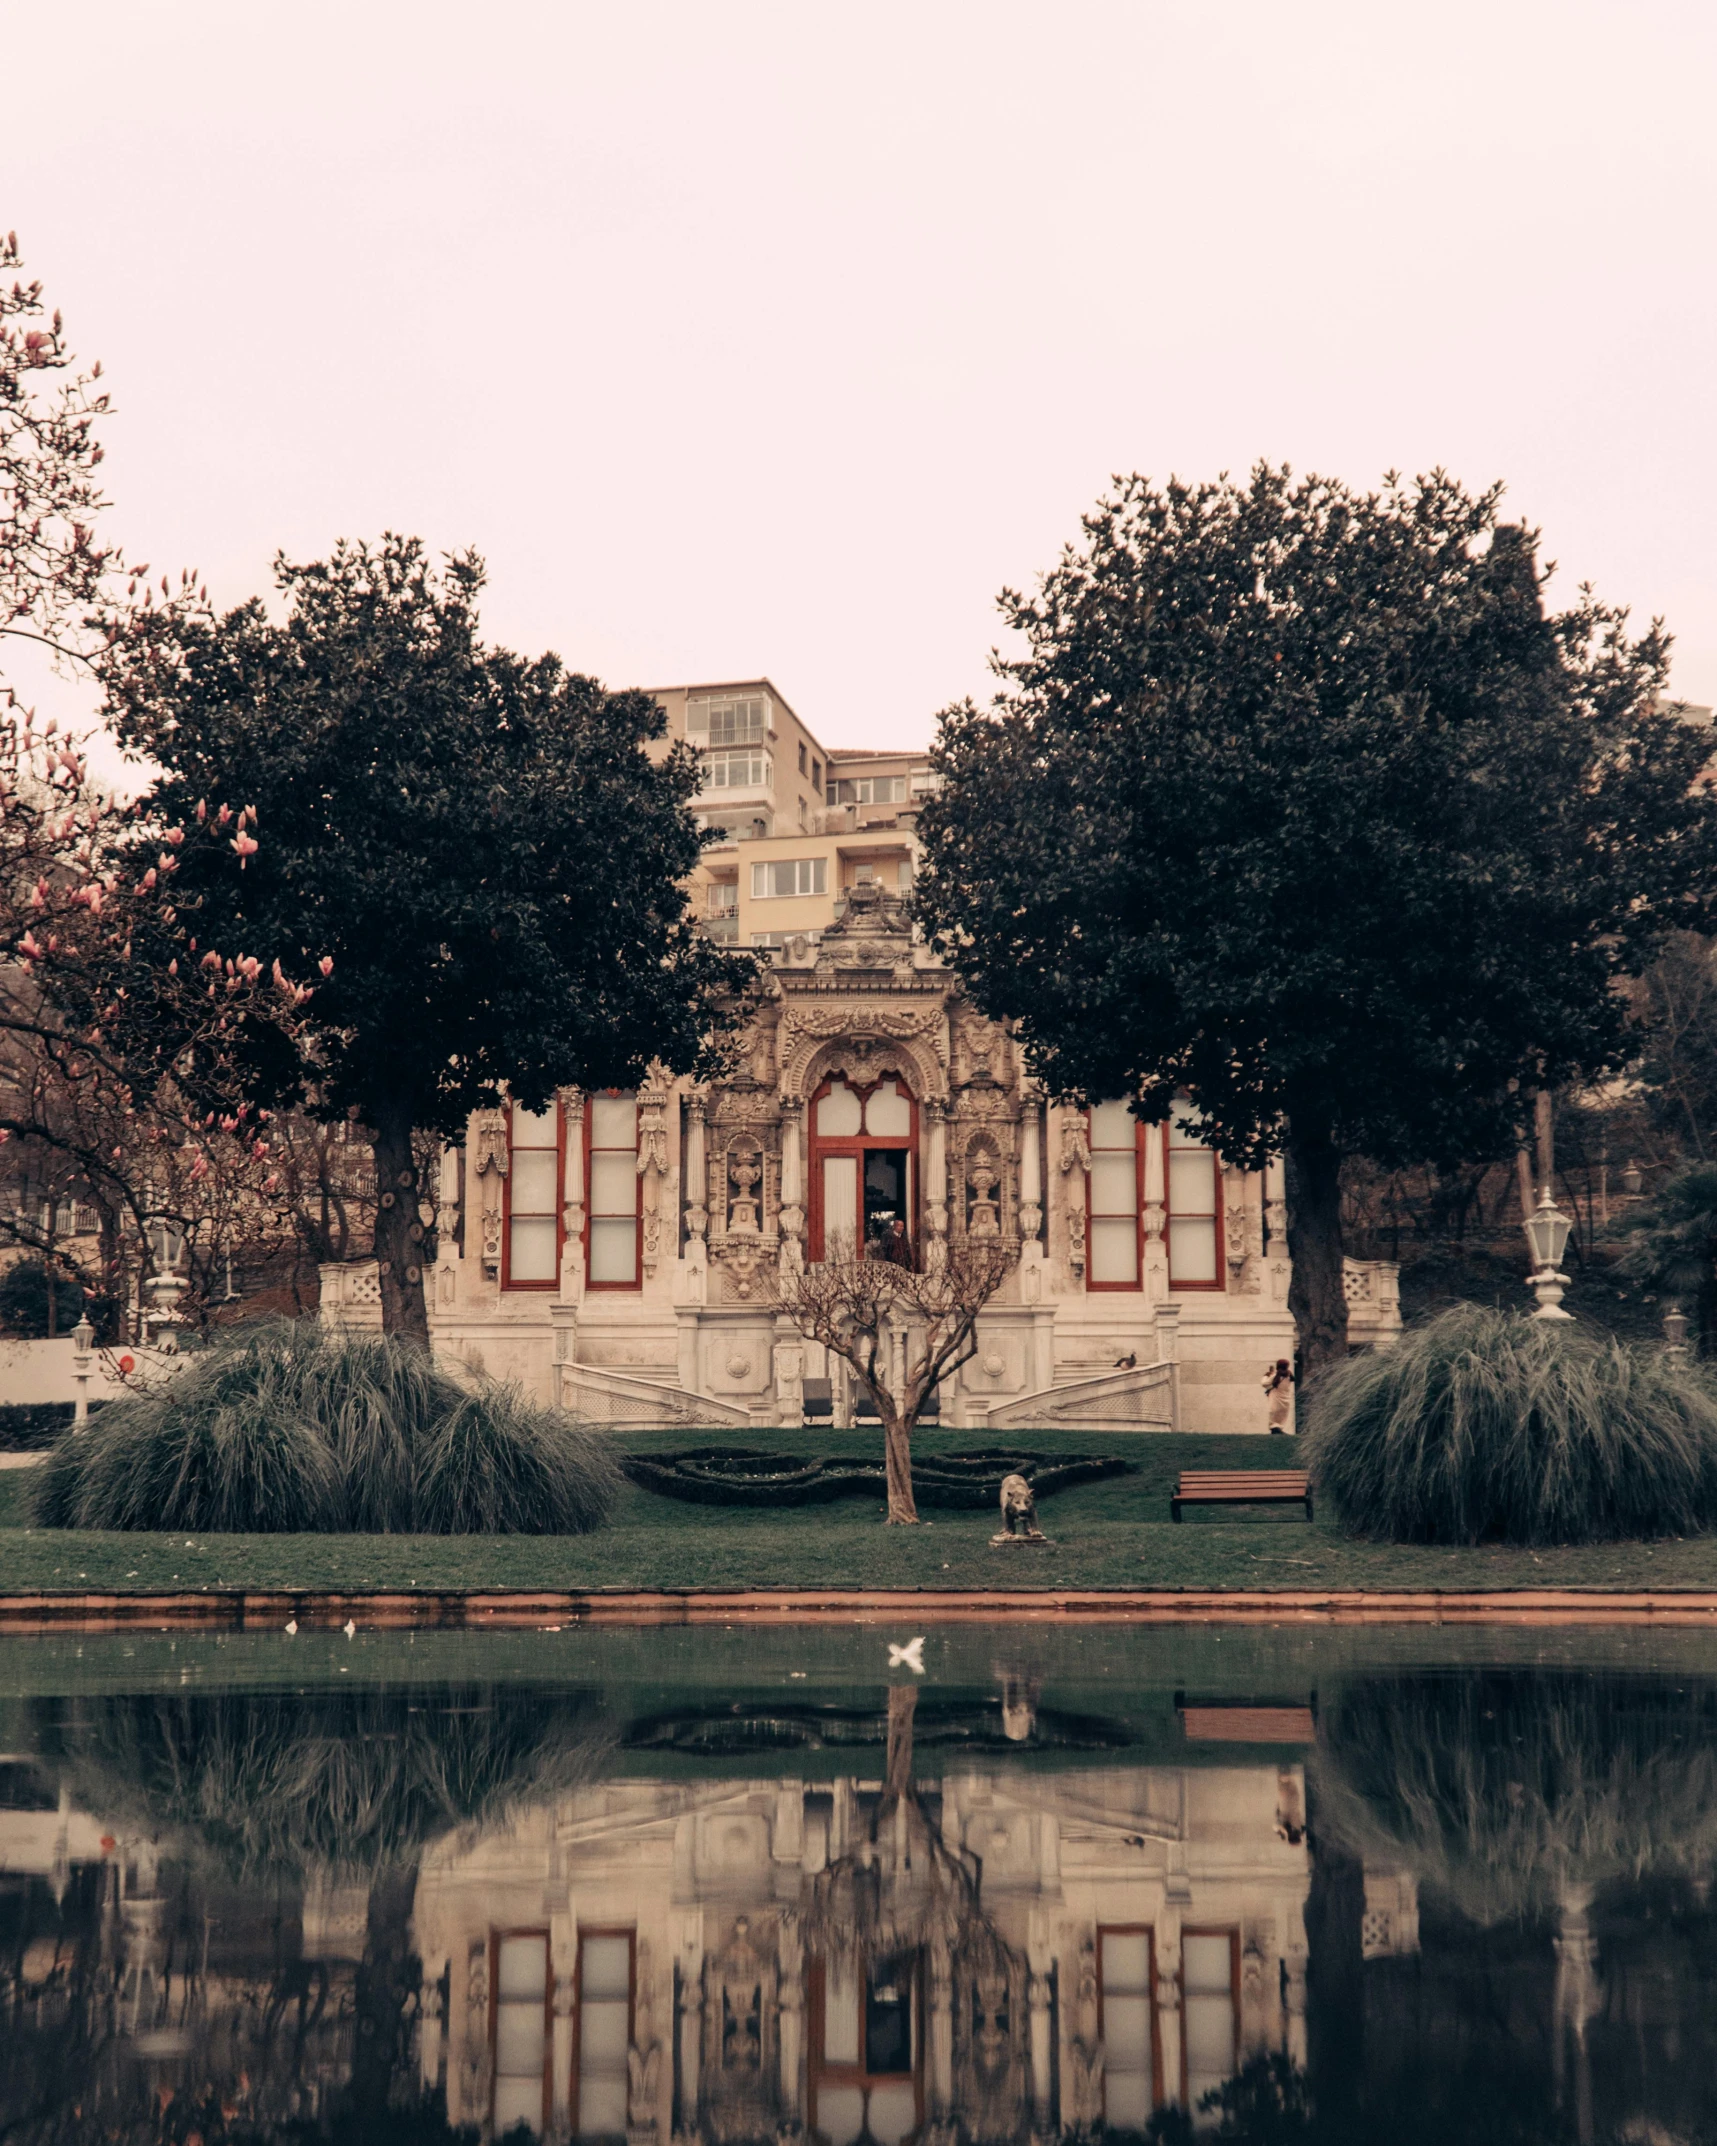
pixel 862 1310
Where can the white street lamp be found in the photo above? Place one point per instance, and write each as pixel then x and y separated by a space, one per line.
pixel 83 1341
pixel 1547 1232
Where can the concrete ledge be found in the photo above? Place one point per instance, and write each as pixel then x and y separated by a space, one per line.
pixel 232 1609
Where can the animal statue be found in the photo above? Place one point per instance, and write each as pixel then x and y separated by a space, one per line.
pixel 1019 1511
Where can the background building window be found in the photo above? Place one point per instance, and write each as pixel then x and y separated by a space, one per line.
pixel 604 2032
pixel 869 790
pixel 1194 1203
pixel 1210 1981
pixel 741 720
pixel 612 1183
pixel 1125 1982
pixel 1113 1224
pixel 534 1199
pixel 520 2027
pixel 748 769
pixel 790 875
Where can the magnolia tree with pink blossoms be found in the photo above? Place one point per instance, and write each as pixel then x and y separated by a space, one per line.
pixel 123 1030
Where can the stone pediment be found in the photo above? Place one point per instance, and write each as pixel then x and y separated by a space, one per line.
pixel 872 935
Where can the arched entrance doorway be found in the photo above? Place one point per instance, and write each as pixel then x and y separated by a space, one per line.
pixel 864 1167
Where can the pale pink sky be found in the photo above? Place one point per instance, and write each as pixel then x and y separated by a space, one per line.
pixel 753 338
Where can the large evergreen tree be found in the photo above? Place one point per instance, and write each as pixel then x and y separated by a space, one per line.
pixel 479 851
pixel 1299 804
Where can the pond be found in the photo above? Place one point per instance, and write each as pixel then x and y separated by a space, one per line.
pixel 855 1883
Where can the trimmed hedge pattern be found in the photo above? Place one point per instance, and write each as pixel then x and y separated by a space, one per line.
pixel 965 1482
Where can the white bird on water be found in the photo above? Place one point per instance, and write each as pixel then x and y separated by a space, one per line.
pixel 911 1656
pixel 292 1628
pixel 350 1628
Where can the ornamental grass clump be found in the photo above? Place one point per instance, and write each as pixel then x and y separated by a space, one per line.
pixel 1485 1426
pixel 286 1428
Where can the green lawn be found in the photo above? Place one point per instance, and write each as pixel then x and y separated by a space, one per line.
pixel 1112 1534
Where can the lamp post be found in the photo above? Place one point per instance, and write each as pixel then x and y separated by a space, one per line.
pixel 83 1341
pixel 1547 1233
pixel 1675 1331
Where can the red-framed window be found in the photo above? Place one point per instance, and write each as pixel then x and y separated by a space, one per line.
pixel 521 2029
pixel 602 2031
pixel 614 1225
pixel 1115 1196
pixel 1209 2010
pixel 1192 1187
pixel 1128 2023
pixel 866 2071
pixel 863 1166
pixel 1114 1230
pixel 536 1171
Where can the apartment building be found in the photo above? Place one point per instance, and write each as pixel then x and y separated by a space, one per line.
pixel 614 1253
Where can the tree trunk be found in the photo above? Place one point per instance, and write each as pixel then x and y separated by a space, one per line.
pixel 1316 1295
pixel 399 1233
pixel 897 1450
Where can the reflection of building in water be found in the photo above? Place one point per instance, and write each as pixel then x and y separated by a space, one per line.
pixel 644 1959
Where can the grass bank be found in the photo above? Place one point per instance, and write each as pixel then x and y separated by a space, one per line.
pixel 1111 1534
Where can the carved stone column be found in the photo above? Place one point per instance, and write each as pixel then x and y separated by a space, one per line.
pixel 694 1176
pixel 789 1365
pixel 1040 1960
pixel 936 1176
pixel 690 2032
pixel 572 1194
pixel 1276 1263
pixel 790 2001
pixel 1075 1167
pixel 792 1185
pixel 489 1141
pixel 1156 1274
pixel 1030 1194
pixel 560 2054
pixel 941 2032
pixel 652 1169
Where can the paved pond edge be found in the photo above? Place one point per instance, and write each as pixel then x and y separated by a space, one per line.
pixel 441 1609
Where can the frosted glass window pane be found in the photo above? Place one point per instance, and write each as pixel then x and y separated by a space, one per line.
pixel 603 2035
pixel 840 2114
pixel 533 1254
pixel 840 1113
pixel 1126 2030
pixel 1126 2098
pixel 840 2018
pixel 840 1204
pixel 607 1968
pixel 1206 1963
pixel 888 1114
pixel 1114 1185
pixel 613 1184
pixel 1192 1251
pixel 522 1970
pixel 601 2107
pixel 614 1121
pixel 535 1128
pixel 1126 1962
pixel 1115 1251
pixel 1112 1125
pixel 518 2101
pixel 613 1251
pixel 893 2113
pixel 1192 1181
pixel 520 2041
pixel 534 1188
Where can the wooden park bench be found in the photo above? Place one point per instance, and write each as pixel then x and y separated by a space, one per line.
pixel 1242 1486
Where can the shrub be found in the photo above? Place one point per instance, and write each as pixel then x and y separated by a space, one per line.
pixel 1484 1426
pixel 348 1781
pixel 1505 1788
pixel 288 1429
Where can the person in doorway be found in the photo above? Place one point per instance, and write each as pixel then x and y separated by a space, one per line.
pixel 1279 1396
